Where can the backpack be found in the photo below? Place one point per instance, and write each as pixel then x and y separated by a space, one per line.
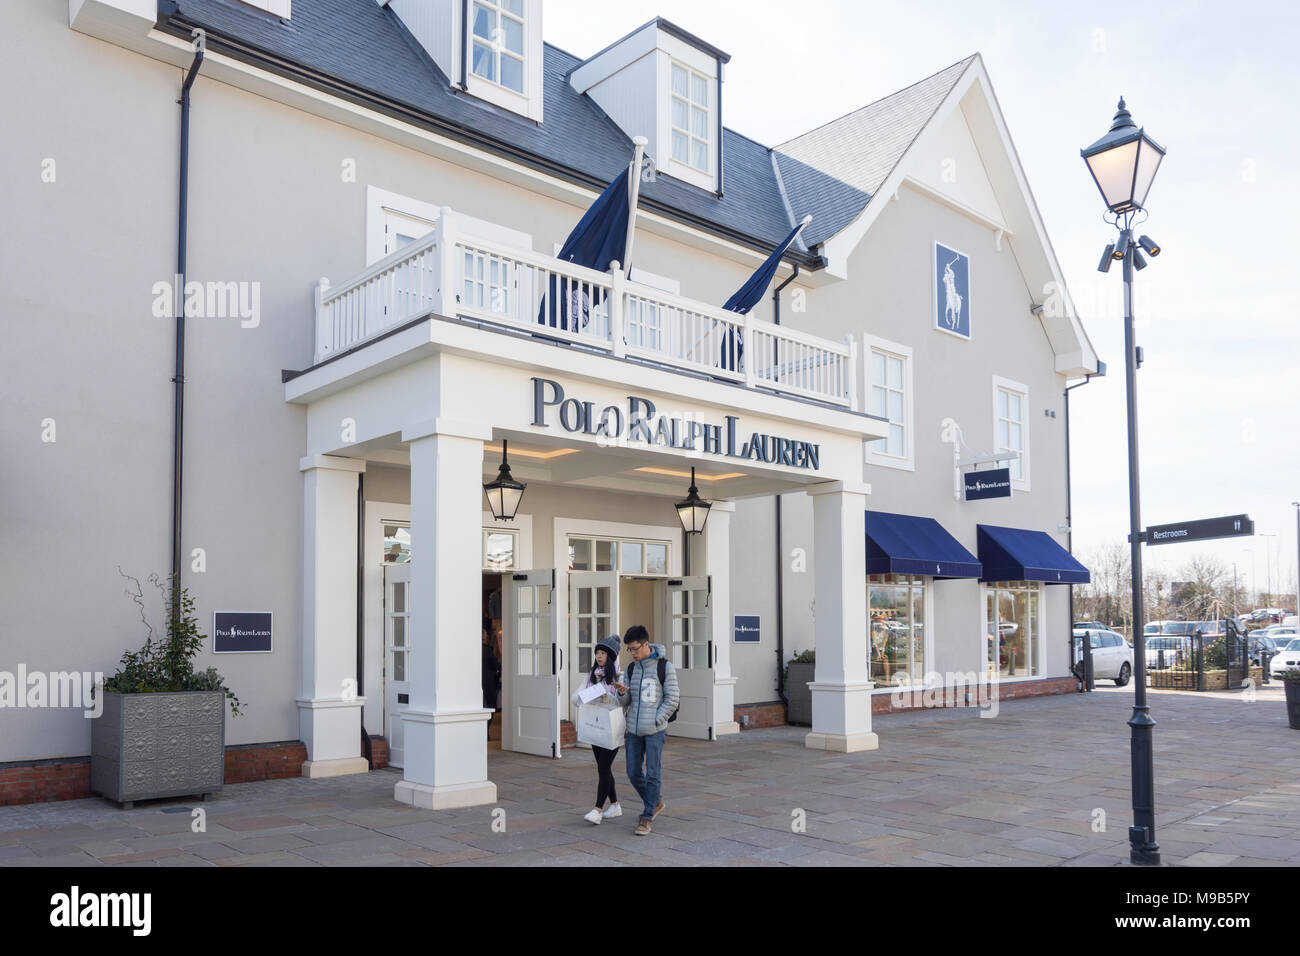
pixel 663 674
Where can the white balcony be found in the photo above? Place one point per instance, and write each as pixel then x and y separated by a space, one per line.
pixel 519 289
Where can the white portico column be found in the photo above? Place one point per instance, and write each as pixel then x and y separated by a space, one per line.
pixel 446 725
pixel 717 564
pixel 329 710
pixel 841 689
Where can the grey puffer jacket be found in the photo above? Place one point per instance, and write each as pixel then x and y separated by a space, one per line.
pixel 648 704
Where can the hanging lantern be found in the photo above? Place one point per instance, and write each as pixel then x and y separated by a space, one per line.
pixel 504 493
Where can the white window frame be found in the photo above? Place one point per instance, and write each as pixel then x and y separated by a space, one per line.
pixel 1039 644
pixel 688 131
pixel 1009 385
pixel 529 102
pixel 521 527
pixel 278 8
pixel 927 636
pixel 873 455
pixel 387 210
pixel 673 51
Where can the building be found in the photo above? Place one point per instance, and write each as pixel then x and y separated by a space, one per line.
pixel 337 430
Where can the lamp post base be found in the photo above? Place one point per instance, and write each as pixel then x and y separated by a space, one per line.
pixel 1143 851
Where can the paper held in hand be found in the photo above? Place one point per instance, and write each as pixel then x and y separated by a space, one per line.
pixel 594 692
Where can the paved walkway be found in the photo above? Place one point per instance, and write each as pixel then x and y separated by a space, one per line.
pixel 945 788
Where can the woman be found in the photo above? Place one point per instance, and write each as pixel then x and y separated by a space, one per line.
pixel 604 671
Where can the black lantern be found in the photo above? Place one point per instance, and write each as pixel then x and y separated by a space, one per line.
pixel 692 511
pixel 504 494
pixel 1123 163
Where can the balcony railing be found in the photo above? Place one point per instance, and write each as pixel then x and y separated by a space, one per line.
pixel 543 296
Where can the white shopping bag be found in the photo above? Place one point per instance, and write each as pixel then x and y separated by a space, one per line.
pixel 601 724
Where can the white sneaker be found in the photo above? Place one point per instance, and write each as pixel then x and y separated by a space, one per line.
pixel 614 810
pixel 593 816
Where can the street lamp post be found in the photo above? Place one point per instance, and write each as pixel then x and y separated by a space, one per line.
pixel 1268 568
pixel 1296 506
pixel 1123 164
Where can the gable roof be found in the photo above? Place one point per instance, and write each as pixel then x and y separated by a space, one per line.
pixel 857 151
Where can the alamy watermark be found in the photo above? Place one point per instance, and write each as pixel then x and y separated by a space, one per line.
pixel 946 689
pixel 209 300
pixel 53 689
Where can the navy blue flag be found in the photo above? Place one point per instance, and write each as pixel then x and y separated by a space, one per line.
pixel 599 238
pixel 750 294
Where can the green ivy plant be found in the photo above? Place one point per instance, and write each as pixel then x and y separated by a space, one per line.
pixel 167 664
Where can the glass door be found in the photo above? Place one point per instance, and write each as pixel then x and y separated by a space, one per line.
pixel 593 615
pixel 530 664
pixel 690 647
pixel 397 658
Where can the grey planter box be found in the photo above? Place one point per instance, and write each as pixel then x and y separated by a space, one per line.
pixel 797 692
pixel 145 746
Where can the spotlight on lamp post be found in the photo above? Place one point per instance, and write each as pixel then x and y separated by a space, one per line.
pixel 1123 164
pixel 504 493
pixel 692 511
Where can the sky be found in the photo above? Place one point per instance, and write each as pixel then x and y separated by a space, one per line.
pixel 1217 314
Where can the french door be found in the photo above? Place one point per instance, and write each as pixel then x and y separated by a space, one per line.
pixel 690 647
pixel 531 659
pixel 397 657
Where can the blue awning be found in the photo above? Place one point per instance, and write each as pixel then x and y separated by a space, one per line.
pixel 904 544
pixel 1014 554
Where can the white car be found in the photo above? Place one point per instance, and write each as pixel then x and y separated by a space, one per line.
pixel 1112 656
pixel 1291 620
pixel 1287 658
pixel 1166 650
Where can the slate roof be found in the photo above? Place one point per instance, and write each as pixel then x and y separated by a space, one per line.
pixel 834 170
pixel 359 49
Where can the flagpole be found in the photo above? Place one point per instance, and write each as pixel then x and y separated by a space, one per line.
pixel 640 142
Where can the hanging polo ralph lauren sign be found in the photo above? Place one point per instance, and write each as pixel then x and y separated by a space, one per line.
pixel 241 632
pixel 639 422
pixel 952 291
pixel 994 483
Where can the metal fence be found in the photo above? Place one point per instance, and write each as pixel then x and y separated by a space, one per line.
pixel 1200 662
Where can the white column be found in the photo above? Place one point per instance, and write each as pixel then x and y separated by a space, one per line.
pixel 716 551
pixel 446 725
pixel 329 710
pixel 841 689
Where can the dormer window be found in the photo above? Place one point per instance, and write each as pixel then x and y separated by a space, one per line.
pixel 497 51
pixel 690 117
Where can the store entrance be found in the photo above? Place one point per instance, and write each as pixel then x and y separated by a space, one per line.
pixel 491 651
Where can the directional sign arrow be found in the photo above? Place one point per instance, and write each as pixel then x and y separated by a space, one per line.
pixel 1231 526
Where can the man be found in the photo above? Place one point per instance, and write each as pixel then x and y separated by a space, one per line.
pixel 649 703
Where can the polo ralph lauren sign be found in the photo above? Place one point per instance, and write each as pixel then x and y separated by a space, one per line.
pixel 640 422
pixel 993 483
pixel 241 632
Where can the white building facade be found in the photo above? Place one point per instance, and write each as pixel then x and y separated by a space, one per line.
pixel 375 196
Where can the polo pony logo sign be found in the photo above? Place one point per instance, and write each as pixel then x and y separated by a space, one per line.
pixel 952 291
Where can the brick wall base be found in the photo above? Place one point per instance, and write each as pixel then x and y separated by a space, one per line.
pixel 771 714
pixel 1010 690
pixel 378 752
pixel 42 781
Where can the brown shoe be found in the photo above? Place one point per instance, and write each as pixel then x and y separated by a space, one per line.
pixel 642 827
pixel 658 810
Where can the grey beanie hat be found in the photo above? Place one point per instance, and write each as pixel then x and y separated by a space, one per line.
pixel 612 645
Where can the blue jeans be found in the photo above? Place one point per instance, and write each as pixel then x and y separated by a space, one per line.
pixel 650 750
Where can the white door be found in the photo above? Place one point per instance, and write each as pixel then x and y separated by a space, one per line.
pixel 593 615
pixel 397 657
pixel 530 664
pixel 690 648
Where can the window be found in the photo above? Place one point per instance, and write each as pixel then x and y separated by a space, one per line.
pixel 397 543
pixel 627 556
pixel 1011 426
pixel 497 43
pixel 279 8
pixel 889 396
pixel 500 549
pixel 690 117
pixel 896 645
pixel 1011 624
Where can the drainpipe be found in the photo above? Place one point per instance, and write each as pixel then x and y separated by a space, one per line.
pixel 178 425
pixel 361 613
pixel 1085 646
pixel 780 549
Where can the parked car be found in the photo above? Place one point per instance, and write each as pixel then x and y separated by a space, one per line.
pixel 1291 620
pixel 1287 658
pixel 1091 626
pixel 1261 645
pixel 1112 656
